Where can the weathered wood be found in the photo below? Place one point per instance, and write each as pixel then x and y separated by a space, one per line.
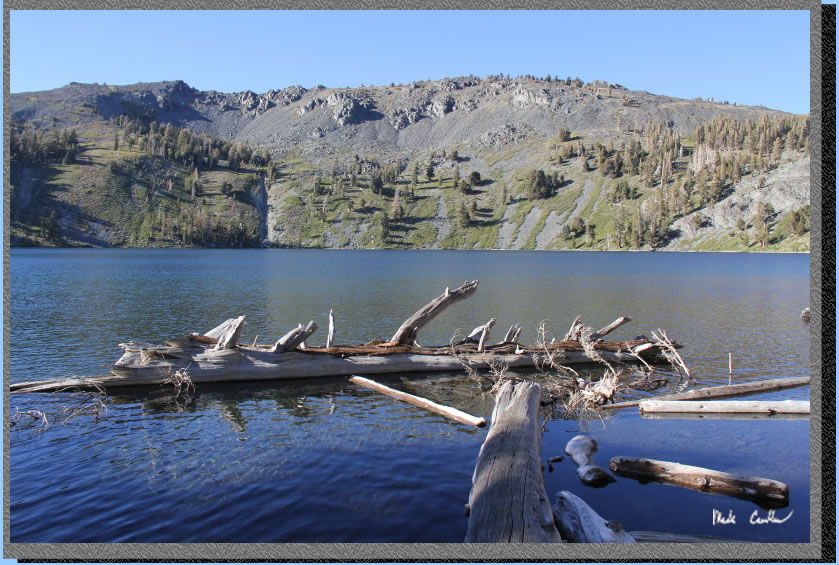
pixel 221 329
pixel 508 502
pixel 484 333
pixel 574 331
pixel 581 449
pixel 726 406
pixel 295 337
pixel 579 523
pixel 765 492
pixel 407 332
pixel 446 411
pixel 714 416
pixel 230 337
pixel 330 337
pixel 509 335
pixel 475 334
pixel 642 536
pixel 602 332
pixel 261 363
pixel 723 391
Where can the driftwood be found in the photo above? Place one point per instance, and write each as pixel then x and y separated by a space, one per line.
pixel 581 449
pixel 219 330
pixel 218 357
pixel 245 363
pixel 508 502
pixel 769 408
pixel 765 492
pixel 602 332
pixel 512 334
pixel 295 337
pixel 579 523
pixel 230 335
pixel 446 411
pixel 330 337
pixel 716 416
pixel 407 332
pixel 724 391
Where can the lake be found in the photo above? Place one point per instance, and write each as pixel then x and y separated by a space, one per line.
pixel 325 461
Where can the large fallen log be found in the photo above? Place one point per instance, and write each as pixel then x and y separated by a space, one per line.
pixel 508 502
pixel 765 492
pixel 407 332
pixel 716 416
pixel 219 357
pixel 723 391
pixel 769 408
pixel 205 364
pixel 446 411
pixel 579 523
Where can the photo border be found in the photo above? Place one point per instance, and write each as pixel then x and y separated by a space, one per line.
pixel 822 546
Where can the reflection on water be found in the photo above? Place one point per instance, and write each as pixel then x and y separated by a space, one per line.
pixel 323 460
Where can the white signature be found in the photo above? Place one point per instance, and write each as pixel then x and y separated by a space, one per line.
pixel 718 517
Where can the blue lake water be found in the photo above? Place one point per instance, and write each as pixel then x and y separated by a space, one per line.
pixel 324 461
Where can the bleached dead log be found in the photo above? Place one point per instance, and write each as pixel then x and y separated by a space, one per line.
pixel 602 332
pixel 667 537
pixel 579 523
pixel 581 449
pixel 726 406
pixel 330 337
pixel 508 337
pixel 724 391
pixel 574 331
pixel 221 329
pixel 475 334
pixel 484 333
pixel 508 502
pixel 230 337
pixel 295 337
pixel 516 335
pixel 407 332
pixel 715 416
pixel 446 411
pixel 765 492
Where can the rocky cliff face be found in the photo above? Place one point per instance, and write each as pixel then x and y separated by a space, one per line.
pixel 416 117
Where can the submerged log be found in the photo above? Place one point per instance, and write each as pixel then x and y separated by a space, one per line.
pixel 769 408
pixel 581 449
pixel 407 332
pixel 724 391
pixel 446 411
pixel 765 492
pixel 579 523
pixel 508 502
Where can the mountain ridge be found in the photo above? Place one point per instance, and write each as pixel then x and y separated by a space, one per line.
pixel 501 129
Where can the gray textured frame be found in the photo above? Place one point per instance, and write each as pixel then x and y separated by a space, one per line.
pixel 452 552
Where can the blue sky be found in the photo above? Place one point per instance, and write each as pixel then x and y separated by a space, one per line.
pixel 747 57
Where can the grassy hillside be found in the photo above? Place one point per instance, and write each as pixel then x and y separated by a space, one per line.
pixel 126 197
pixel 465 164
